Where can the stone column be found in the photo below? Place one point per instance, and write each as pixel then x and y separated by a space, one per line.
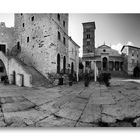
pixel 114 66
pixel 95 71
pixel 92 65
pixel 101 65
pixel 84 66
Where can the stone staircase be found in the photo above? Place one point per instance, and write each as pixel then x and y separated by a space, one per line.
pixel 37 78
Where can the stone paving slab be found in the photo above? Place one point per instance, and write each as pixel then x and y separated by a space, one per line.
pixel 79 99
pixel 102 100
pixel 11 99
pixel 48 107
pixel 39 101
pixel 92 113
pixel 73 105
pixel 81 124
pixel 55 122
pixel 90 118
pixel 17 106
pixel 112 110
pixel 22 116
pixel 68 113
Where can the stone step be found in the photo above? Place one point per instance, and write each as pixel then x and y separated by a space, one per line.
pixel 37 78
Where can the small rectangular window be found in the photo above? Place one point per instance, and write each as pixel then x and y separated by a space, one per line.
pixel 88 36
pixel 59 35
pixel 32 18
pixel 64 40
pixel 27 39
pixel 23 24
pixel 64 23
pixel 58 17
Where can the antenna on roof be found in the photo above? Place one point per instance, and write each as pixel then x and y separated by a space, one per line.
pixel 104 42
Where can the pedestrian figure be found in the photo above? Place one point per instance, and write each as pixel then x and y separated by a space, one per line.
pixel 86 77
pixel 70 79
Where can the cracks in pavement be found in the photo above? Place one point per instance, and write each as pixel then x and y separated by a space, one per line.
pixel 82 110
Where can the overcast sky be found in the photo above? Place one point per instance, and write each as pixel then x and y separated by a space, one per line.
pixel 113 29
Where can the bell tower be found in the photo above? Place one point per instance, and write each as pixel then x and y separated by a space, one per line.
pixel 88 37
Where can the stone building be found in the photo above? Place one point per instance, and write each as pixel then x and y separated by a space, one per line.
pixel 103 58
pixel 10 66
pixel 6 43
pixel 88 44
pixel 35 47
pixel 73 59
pixel 44 41
pixel 131 58
pixel 108 59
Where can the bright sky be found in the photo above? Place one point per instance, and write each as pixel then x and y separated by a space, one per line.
pixel 113 29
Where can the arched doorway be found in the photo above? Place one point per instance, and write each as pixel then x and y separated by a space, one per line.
pixel 136 72
pixel 3 74
pixel 105 64
pixel 14 77
pixel 64 64
pixel 58 63
pixel 72 67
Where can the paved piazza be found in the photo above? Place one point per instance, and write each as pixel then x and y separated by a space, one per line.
pixel 76 106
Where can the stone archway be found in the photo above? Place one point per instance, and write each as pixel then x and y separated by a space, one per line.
pixel 105 64
pixel 4 62
pixel 3 72
pixel 136 72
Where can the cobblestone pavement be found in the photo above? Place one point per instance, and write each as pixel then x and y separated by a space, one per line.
pixel 76 106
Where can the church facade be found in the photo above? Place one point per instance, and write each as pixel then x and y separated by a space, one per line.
pixel 108 59
pixel 104 58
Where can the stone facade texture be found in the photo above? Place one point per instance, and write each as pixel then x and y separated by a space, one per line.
pixel 37 45
pixel 38 37
pixel 73 55
pixel 131 58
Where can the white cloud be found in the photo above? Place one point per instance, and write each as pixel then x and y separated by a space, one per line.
pixel 130 43
pixel 117 47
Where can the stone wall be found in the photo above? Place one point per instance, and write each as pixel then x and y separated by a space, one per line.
pixel 73 52
pixel 7 36
pixel 133 59
pixel 22 76
pixel 37 34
